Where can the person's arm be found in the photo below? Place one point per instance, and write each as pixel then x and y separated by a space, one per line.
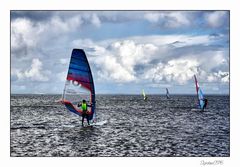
pixel 79 105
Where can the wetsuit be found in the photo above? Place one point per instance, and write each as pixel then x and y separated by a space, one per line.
pixel 205 104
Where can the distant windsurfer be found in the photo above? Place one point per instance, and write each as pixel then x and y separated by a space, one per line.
pixel 144 96
pixel 85 112
pixel 167 94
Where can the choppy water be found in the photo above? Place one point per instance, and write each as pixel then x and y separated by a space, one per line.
pixel 159 127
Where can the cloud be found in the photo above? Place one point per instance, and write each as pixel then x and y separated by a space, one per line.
pixel 214 61
pixel 59 25
pixel 179 71
pixel 35 73
pixel 118 60
pixel 64 61
pixel 28 35
pixel 112 70
pixel 219 77
pixel 178 41
pixel 216 19
pixel 38 16
pixel 41 43
pixel 24 35
pixel 95 20
pixel 208 67
pixel 62 76
pixel 130 53
pixel 168 19
pixel 152 17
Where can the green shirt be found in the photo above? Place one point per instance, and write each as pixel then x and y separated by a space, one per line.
pixel 84 106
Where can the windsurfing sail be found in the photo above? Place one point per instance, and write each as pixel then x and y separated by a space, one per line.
pixel 167 93
pixel 79 84
pixel 144 95
pixel 199 94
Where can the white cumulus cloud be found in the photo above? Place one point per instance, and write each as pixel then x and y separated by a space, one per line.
pixel 118 61
pixel 112 70
pixel 24 33
pixel 178 70
pixel 34 73
pixel 219 76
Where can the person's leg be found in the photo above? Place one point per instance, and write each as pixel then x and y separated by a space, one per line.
pixel 204 106
pixel 88 119
pixel 82 119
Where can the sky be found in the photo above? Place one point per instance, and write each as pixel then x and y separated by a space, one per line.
pixel 127 50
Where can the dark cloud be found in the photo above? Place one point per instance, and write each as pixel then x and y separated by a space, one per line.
pixel 214 35
pixel 21 50
pixel 35 16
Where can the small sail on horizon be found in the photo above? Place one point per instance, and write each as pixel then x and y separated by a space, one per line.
pixel 167 94
pixel 144 95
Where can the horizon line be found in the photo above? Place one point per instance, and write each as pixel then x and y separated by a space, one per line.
pixel 120 94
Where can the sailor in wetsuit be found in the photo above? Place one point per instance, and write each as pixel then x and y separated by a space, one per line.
pixel 85 112
pixel 205 104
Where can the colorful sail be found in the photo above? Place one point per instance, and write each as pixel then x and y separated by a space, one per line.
pixel 79 84
pixel 167 93
pixel 199 94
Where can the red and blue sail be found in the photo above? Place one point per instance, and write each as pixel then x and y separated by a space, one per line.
pixel 199 94
pixel 79 84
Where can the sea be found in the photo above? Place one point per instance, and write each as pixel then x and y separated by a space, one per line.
pixel 128 127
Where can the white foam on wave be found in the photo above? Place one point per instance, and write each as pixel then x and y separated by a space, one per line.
pixel 100 123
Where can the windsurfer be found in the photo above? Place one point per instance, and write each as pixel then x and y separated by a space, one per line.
pixel 144 96
pixel 85 112
pixel 167 93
